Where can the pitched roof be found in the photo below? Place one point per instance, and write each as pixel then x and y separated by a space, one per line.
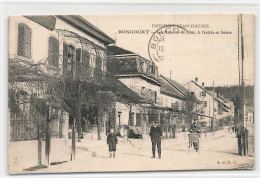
pixel 118 51
pixel 115 50
pixel 127 93
pixel 180 88
pixel 211 94
pixel 85 26
pixel 168 89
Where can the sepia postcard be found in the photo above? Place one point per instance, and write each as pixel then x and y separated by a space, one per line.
pixel 123 93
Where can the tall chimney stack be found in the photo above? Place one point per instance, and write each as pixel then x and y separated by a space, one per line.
pixel 196 79
pixel 203 84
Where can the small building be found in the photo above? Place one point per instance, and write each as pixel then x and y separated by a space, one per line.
pixel 249 115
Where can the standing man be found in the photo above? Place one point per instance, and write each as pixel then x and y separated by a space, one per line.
pixel 155 134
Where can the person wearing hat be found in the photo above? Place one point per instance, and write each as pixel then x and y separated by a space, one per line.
pixel 195 129
pixel 112 141
pixel 155 134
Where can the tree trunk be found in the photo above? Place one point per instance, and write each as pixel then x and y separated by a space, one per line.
pixel 39 142
pixel 73 147
pixel 78 118
pixel 98 125
pixel 130 116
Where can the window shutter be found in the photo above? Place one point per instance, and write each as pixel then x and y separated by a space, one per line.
pixel 50 58
pixel 53 52
pixel 56 52
pixel 20 40
pixel 24 41
pixel 78 67
pixel 65 55
pixel 85 58
pixel 27 42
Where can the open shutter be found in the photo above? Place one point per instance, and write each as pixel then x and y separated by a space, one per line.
pixel 86 70
pixel 21 40
pixel 24 40
pixel 27 42
pixel 78 66
pixel 85 58
pixel 51 51
pixel 65 58
pixel 56 52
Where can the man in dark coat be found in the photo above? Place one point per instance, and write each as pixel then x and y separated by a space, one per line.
pixel 155 134
pixel 195 129
pixel 112 141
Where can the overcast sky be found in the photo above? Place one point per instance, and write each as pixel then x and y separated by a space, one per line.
pixel 206 56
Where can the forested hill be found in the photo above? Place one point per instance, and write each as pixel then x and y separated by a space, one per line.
pixel 231 91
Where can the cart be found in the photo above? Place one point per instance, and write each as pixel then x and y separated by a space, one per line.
pixel 194 141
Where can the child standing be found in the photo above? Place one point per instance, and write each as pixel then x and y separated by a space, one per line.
pixel 112 141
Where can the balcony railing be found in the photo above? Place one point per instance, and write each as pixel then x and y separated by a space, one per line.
pixel 148 73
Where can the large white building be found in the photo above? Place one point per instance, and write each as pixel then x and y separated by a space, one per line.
pixel 160 94
pixel 211 105
pixel 48 45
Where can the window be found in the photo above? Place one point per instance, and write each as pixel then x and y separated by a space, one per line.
pixel 155 96
pixel 175 106
pixel 152 69
pixel 68 60
pixel 142 66
pixel 24 40
pixel 142 89
pixel 53 58
pixel 204 103
pixel 78 63
pixel 138 120
pixel 202 94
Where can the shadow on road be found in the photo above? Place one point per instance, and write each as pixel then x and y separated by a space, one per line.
pixel 141 155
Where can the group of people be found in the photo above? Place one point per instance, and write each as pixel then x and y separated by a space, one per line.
pixel 155 134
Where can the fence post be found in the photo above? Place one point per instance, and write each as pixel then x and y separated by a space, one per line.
pixel 48 137
pixel 65 129
pixel 39 142
pixel 73 141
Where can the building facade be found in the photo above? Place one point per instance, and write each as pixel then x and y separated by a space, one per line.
pixel 43 52
pixel 162 96
pixel 211 108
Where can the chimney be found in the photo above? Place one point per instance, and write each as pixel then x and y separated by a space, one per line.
pixel 196 79
pixel 203 84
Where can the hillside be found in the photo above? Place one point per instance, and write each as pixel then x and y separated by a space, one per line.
pixel 230 92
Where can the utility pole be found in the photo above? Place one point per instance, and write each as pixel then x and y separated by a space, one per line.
pixel 213 117
pixel 243 132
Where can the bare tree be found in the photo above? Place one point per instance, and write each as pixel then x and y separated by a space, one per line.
pixel 188 109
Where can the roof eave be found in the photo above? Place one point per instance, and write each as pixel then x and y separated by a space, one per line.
pixel 86 27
